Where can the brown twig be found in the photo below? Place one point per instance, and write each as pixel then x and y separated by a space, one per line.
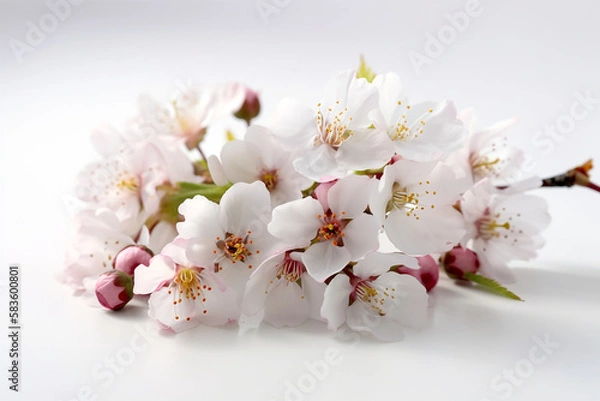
pixel 576 176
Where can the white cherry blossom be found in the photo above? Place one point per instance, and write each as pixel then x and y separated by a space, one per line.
pixel 182 293
pixel 191 112
pixel 423 131
pixel 335 232
pixel 231 237
pixel 259 157
pixel 488 154
pixel 336 138
pixel 99 236
pixel 129 178
pixel 415 203
pixel 281 292
pixel 503 228
pixel 372 299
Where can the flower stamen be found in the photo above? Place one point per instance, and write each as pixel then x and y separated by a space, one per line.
pixel 332 229
pixel 489 228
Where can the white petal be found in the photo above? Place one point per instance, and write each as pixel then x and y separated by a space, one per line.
pixel 176 251
pixel 406 172
pixel 377 263
pixel 315 293
pixel 106 141
pixel 390 93
pixel 381 327
pixel 381 195
pixel 319 163
pixel 150 278
pixel 493 264
pixel 410 298
pixel 241 161
pixel 216 170
pixel 221 303
pixel 174 316
pixel 371 148
pixel 350 195
pixel 201 253
pixel 336 88
pixel 144 236
pixel 246 207
pixel 361 236
pixel 259 284
pixel 363 98
pixel 201 219
pixel 286 306
pixel 436 230
pixel 476 200
pixel 296 222
pixel 162 233
pixel 467 116
pixel 325 259
pixel 335 303
pixel 293 124
pixel 442 133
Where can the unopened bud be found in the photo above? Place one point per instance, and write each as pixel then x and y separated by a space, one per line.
pixel 428 272
pixel 250 108
pixel 114 289
pixel 131 257
pixel 459 261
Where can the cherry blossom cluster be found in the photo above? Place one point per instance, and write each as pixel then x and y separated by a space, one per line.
pixel 343 213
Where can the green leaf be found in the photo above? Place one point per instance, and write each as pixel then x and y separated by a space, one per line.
pixel 491 285
pixel 186 190
pixel 364 71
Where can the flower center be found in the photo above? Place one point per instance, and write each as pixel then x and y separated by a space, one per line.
pixel 489 227
pixel 291 269
pixel 332 229
pixel 234 247
pixel 403 130
pixel 127 182
pixel 333 130
pixel 188 281
pixel 408 201
pixel 400 131
pixel 402 199
pixel 371 297
pixel 483 166
pixel 269 177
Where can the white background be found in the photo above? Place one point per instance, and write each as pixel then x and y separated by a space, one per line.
pixel 526 59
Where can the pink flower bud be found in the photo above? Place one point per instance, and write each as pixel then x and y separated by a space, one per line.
pixel 114 289
pixel 321 191
pixel 428 272
pixel 459 261
pixel 250 108
pixel 395 158
pixel 131 257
